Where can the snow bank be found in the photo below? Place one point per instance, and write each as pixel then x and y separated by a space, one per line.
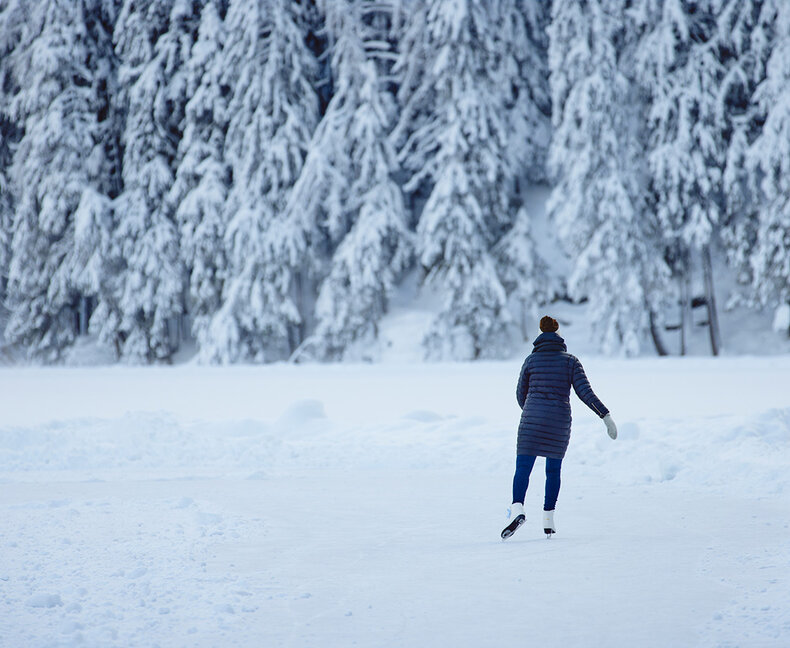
pixel 684 420
pixel 713 453
pixel 747 452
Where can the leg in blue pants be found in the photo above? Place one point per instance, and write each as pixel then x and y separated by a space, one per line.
pixel 524 464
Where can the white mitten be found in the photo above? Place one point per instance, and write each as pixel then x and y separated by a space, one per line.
pixel 611 428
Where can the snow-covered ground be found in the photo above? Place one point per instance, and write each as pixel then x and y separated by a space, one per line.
pixel 362 504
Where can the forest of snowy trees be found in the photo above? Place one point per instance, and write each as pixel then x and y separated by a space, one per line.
pixel 259 176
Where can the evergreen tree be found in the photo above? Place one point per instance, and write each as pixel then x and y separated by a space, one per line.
pixel 597 202
pixel 522 51
pixel 770 158
pixel 522 54
pixel 200 190
pixel 681 67
pixel 744 38
pixel 93 218
pixel 153 40
pixel 377 249
pixel 523 272
pixel 366 224
pixel 11 20
pixel 57 69
pixel 273 112
pixel 453 138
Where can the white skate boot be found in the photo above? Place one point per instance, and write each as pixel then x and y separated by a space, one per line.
pixel 548 524
pixel 516 516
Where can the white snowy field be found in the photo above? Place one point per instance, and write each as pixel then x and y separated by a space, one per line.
pixel 361 505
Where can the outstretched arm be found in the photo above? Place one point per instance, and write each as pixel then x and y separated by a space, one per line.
pixel 581 385
pixel 523 386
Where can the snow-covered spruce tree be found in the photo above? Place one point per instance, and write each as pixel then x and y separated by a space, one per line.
pixel 366 227
pixel 769 156
pixel 11 26
pixel 273 111
pixel 744 38
pixel 595 157
pixel 680 66
pixel 368 261
pixel 57 69
pixel 153 40
pixel 202 180
pixel 522 45
pixel 524 273
pixel 413 94
pixel 345 197
pixel 452 138
pixel 663 32
pixel 95 275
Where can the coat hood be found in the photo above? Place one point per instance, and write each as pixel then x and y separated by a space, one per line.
pixel 549 342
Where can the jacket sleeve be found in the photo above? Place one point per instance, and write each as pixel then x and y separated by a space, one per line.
pixel 523 386
pixel 581 385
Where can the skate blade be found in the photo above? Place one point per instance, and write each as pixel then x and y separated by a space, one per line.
pixel 511 528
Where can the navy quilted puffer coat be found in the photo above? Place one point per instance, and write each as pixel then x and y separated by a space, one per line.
pixel 543 394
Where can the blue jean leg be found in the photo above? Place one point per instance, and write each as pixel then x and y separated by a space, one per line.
pixel 553 468
pixel 524 465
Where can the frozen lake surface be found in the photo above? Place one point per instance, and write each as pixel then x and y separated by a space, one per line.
pixel 362 504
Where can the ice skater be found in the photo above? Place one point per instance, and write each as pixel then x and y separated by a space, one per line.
pixel 543 394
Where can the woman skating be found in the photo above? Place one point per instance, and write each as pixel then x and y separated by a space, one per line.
pixel 543 394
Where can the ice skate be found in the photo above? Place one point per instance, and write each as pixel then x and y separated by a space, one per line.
pixel 548 524
pixel 517 517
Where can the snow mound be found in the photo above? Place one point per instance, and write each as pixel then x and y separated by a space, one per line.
pixel 707 452
pixel 44 601
pixel 301 413
pixel 710 452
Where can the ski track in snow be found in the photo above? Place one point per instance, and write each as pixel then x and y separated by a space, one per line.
pixel 326 506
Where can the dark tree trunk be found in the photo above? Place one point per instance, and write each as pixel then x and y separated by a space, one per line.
pixel 685 306
pixel 173 335
pixel 303 293
pixel 83 329
pixel 710 298
pixel 656 335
